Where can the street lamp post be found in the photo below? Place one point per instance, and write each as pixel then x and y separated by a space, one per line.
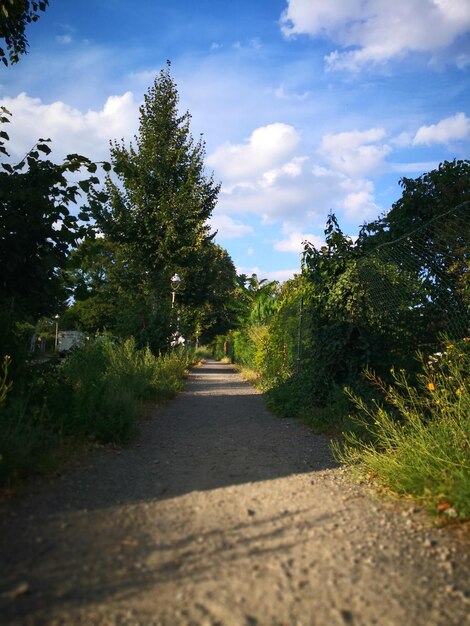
pixel 175 283
pixel 56 343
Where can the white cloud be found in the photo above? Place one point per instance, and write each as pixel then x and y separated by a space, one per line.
pixel 414 167
pixel 280 275
pixel 70 129
pixel 379 30
pixel 294 242
pixel 228 228
pixel 266 148
pixel 282 94
pixel 64 39
pixel 359 203
pixel 299 192
pixel 355 153
pixel 452 128
pixel 291 169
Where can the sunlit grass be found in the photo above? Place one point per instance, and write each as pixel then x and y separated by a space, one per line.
pixel 420 436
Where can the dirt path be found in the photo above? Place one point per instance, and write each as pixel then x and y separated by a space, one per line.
pixel 222 514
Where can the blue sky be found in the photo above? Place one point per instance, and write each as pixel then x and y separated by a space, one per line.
pixel 306 106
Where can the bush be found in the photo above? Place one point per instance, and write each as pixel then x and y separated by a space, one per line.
pixel 106 382
pixel 419 440
pixel 95 393
pixel 25 439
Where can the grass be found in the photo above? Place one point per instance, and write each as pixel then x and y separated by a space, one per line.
pixel 95 395
pixel 419 437
pixel 412 437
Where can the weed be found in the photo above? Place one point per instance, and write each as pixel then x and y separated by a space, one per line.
pixel 419 439
pixel 95 394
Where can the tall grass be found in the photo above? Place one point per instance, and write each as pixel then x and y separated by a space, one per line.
pixel 95 394
pixel 419 438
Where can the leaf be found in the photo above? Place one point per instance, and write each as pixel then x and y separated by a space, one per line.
pixel 84 185
pixel 4 135
pixel 91 168
pixel 44 148
pixel 83 216
pixel 7 167
pixel 106 166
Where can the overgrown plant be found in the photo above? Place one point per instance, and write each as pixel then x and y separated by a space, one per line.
pixel 96 394
pixel 419 437
pixel 5 384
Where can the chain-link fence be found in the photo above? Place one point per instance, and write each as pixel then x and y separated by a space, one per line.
pixel 422 278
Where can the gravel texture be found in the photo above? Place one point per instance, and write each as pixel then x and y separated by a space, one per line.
pixel 222 514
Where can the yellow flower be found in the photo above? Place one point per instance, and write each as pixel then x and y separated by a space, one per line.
pixel 431 387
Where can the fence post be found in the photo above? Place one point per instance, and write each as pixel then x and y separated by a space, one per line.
pixel 299 336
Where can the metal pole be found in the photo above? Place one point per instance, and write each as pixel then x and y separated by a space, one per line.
pixel 299 337
pixel 56 344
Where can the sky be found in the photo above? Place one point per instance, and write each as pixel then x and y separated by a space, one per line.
pixel 305 106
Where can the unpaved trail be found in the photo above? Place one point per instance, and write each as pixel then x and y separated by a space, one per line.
pixel 222 514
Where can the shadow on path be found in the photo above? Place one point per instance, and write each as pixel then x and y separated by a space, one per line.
pixel 216 434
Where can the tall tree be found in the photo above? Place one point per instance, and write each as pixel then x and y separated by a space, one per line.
pixel 37 231
pixel 37 227
pixel 430 227
pixel 15 15
pixel 160 203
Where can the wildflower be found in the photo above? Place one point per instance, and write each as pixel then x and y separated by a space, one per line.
pixel 431 387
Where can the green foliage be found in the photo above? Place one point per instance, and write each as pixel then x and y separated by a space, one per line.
pixel 95 394
pixel 419 436
pixel 103 385
pixel 15 15
pixel 155 225
pixel 37 230
pixel 369 306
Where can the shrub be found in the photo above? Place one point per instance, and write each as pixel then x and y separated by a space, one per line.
pixel 95 393
pixel 106 382
pixel 419 440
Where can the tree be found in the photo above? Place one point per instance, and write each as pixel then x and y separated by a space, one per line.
pixel 15 15
pixel 207 295
pixel 37 229
pixel 90 274
pixel 428 227
pixel 160 203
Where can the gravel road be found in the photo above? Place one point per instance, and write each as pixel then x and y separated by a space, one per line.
pixel 222 514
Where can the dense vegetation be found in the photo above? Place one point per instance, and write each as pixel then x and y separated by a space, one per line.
pixel 371 340
pixel 77 255
pixel 95 395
